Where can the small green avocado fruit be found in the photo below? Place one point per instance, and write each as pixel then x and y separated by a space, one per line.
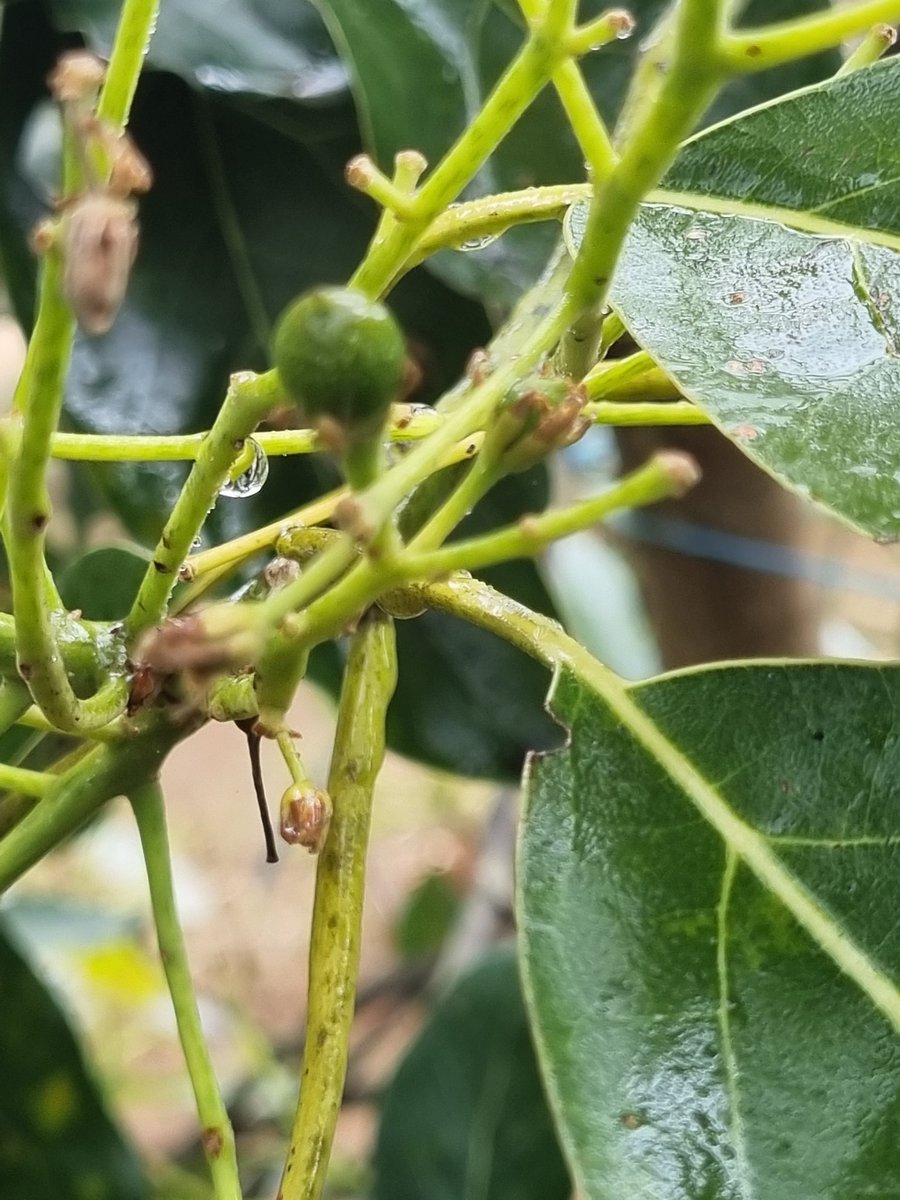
pixel 341 358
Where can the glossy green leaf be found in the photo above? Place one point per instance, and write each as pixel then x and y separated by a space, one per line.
pixel 465 1116
pixel 56 1140
pixel 697 1043
pixel 444 57
pixel 765 278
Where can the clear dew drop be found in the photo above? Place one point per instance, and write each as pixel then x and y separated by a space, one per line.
pixel 478 243
pixel 249 482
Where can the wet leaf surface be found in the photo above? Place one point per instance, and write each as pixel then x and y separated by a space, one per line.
pixel 697 1043
pixel 765 278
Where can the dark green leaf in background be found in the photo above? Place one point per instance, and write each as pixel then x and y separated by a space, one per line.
pixel 465 1116
pixel 427 916
pixel 697 1044
pixel 56 1139
pixel 102 583
pixel 276 48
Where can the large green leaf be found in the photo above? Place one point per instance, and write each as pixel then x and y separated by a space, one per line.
pixel 465 1116
pixel 56 1140
pixel 699 1044
pixel 444 57
pixel 765 278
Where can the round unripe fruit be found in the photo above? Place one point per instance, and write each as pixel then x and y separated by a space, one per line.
pixel 340 357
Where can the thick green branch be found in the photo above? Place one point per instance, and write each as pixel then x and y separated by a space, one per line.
pixel 369 682
pixel 106 771
pixel 691 81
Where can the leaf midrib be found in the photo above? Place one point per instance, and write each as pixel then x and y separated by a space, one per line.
pixel 798 219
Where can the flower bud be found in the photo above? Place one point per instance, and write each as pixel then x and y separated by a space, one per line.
pixel 305 817
pixel 99 244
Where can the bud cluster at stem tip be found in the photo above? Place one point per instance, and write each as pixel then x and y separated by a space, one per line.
pixel 536 417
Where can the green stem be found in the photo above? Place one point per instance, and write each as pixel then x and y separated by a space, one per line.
pixel 667 474
pixel 876 43
pixel 408 426
pixel 105 771
pixel 629 415
pixel 229 554
pixel 24 782
pixel 369 682
pixel 613 329
pixel 587 124
pixel 544 640
pixel 136 24
pixel 759 49
pixel 217 1136
pixel 687 88
pixel 492 215
pixel 279 672
pixel 523 79
pixel 248 400
pixel 579 347
pixel 474 485
pixel 39 613
pixel 608 376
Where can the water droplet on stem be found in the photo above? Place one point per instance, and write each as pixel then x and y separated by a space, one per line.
pixel 252 478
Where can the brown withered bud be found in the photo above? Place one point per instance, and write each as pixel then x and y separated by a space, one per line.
pixel 43 236
pixel 279 572
pixel 213 640
pixel 305 817
pixel 99 244
pixel 130 173
pixel 145 687
pixel 77 76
